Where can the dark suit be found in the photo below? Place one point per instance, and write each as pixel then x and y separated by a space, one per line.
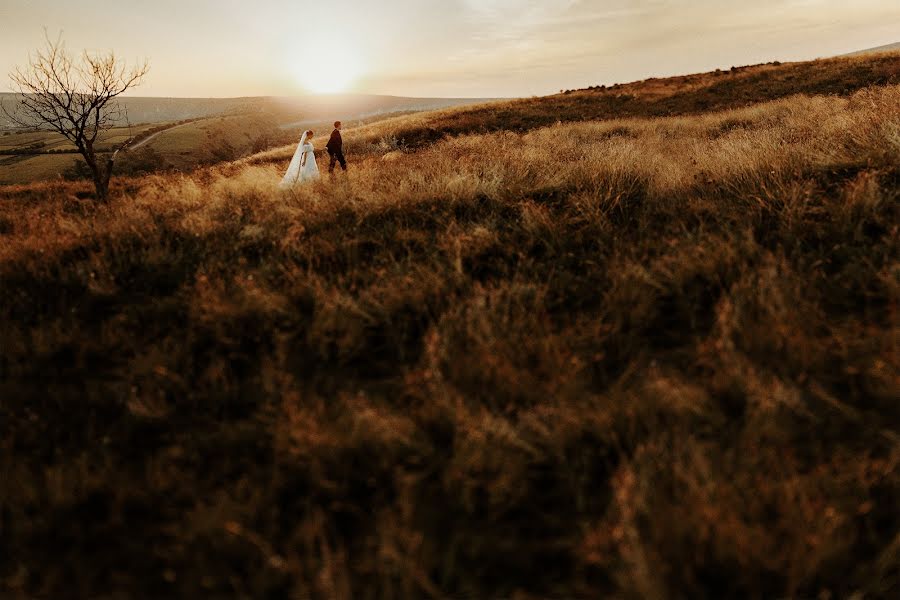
pixel 335 149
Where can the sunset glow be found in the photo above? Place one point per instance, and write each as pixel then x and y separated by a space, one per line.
pixel 449 48
pixel 328 70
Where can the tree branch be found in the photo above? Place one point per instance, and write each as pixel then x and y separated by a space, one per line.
pixel 77 100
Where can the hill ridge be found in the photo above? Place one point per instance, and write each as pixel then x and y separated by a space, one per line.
pixel 895 47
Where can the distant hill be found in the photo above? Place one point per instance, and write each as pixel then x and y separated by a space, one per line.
pixel 286 109
pixel 301 110
pixel 879 49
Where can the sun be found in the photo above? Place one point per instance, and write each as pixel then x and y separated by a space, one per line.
pixel 333 70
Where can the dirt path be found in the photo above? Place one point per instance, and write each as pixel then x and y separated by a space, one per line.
pixel 153 135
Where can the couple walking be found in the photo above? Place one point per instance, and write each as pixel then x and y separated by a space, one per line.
pixel 303 166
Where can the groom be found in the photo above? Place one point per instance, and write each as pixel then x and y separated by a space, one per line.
pixel 335 148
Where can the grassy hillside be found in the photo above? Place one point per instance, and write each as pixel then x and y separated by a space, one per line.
pixel 687 95
pixel 639 357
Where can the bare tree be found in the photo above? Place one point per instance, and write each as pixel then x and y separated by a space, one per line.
pixel 75 99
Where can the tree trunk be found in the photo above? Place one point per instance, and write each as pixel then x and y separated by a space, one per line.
pixel 101 179
pixel 107 172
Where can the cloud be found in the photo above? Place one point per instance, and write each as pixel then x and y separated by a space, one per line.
pixel 517 8
pixel 508 19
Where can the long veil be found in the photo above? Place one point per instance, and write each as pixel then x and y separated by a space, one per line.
pixel 293 173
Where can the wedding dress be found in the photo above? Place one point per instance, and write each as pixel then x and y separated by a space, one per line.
pixel 303 165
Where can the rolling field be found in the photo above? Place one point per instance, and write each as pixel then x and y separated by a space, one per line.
pixel 628 347
pixel 179 146
pixel 26 168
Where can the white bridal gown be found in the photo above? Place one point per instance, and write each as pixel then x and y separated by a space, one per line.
pixel 300 171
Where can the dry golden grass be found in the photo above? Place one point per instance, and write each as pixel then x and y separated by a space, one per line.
pixel 634 358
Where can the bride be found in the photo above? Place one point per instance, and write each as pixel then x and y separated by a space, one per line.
pixel 303 166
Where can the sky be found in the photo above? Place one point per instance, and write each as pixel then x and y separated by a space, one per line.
pixel 437 48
